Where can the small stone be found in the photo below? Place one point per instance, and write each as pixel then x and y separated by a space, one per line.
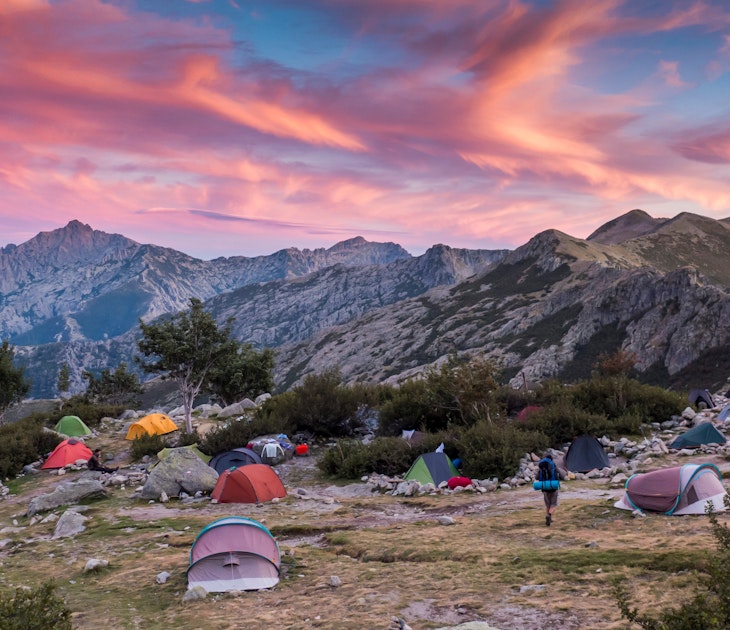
pixel 162 577
pixel 335 581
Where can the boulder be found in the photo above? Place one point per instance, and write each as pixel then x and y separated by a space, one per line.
pixel 181 471
pixel 70 524
pixel 66 493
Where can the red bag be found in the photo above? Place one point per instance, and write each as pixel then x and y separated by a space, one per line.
pixel 455 482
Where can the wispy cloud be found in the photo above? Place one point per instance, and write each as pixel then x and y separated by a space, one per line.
pixel 471 122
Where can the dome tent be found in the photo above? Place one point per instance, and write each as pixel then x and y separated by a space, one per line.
pixel 234 458
pixel 152 424
pixel 686 489
pixel 586 453
pixel 72 426
pixel 253 483
pixel 234 553
pixel 67 452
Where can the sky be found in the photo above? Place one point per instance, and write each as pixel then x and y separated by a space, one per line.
pixel 235 127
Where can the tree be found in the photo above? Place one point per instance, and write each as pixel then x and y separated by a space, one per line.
pixel 184 347
pixel 64 379
pixel 114 388
pixel 13 386
pixel 243 372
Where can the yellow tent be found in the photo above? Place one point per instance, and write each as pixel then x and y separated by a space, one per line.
pixel 153 424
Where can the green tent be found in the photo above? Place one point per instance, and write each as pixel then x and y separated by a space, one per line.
pixel 73 426
pixel 432 468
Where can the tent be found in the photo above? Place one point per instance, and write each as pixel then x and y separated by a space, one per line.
pixel 432 468
pixel 679 490
pixel 254 483
pixel 67 452
pixel 234 458
pixel 586 453
pixel 234 553
pixel 699 397
pixel 153 424
pixel 73 426
pixel 724 413
pixel 704 433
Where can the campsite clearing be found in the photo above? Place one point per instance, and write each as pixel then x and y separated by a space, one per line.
pixel 393 557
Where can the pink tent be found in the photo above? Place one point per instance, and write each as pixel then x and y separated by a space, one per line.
pixel 234 553
pixel 679 490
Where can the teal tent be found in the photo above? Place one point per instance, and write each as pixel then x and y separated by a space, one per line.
pixel 432 468
pixel 704 433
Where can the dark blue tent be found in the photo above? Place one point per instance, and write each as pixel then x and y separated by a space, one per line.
pixel 586 453
pixel 234 459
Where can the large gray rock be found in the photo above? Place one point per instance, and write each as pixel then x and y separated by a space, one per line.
pixel 66 493
pixel 181 471
pixel 70 524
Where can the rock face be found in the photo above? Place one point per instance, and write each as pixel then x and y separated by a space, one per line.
pixel 101 284
pixel 180 471
pixel 549 309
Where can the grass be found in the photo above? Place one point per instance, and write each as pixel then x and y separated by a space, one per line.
pixel 391 554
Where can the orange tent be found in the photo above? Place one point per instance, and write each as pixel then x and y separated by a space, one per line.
pixel 153 424
pixel 67 452
pixel 254 483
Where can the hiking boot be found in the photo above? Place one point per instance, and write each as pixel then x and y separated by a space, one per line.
pixel 548 519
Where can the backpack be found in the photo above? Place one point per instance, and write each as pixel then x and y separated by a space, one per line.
pixel 548 479
pixel 546 470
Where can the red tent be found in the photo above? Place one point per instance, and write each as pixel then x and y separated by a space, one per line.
pixel 255 483
pixel 67 452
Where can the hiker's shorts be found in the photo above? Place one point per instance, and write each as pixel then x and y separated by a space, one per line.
pixel 550 498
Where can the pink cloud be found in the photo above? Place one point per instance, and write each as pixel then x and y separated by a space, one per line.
pixel 108 111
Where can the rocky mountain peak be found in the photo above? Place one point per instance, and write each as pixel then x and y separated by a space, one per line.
pixel 628 226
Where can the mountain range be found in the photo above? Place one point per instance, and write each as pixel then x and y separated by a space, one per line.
pixel 547 309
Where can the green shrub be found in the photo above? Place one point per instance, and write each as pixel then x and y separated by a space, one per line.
pixel 347 459
pixel 615 396
pixel 24 442
pixel 351 459
pixel 183 438
pixel 34 609
pixel 561 422
pixel 321 405
pixel 146 445
pixel 494 450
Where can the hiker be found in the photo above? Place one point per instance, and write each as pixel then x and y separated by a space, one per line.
pixel 94 462
pixel 548 472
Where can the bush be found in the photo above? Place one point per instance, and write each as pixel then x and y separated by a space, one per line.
pixel 34 609
pixel 616 396
pixel 321 405
pixel 351 459
pixel 561 422
pixel 460 392
pixel 495 450
pixel 24 442
pixel 147 445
